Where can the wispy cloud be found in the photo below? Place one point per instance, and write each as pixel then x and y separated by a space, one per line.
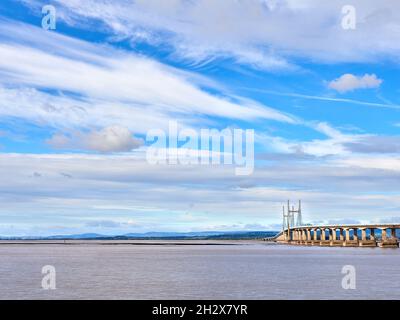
pixel 100 85
pixel 324 98
pixel 265 34
pixel 95 97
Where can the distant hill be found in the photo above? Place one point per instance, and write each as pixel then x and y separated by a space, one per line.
pixel 205 235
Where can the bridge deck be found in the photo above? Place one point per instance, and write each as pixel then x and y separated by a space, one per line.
pixel 339 235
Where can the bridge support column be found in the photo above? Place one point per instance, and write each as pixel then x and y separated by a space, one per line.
pixel 388 242
pixel 315 236
pixel 333 234
pixel 364 242
pixel 372 234
pixel 341 235
pixel 323 234
pixel 355 234
pixel 384 234
pixel 303 236
pixel 286 234
pixel 349 242
pixel 363 234
pixel 335 242
pixel 393 233
pixel 308 232
pixel 324 242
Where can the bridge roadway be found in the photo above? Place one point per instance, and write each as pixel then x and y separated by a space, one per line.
pixel 350 235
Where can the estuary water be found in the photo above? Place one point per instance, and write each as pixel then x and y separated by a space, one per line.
pixel 195 270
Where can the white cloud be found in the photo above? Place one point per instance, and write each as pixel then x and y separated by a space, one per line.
pixel 109 139
pixel 372 162
pixel 327 99
pixel 349 82
pixel 84 89
pixel 158 196
pixel 334 144
pixel 108 86
pixel 266 34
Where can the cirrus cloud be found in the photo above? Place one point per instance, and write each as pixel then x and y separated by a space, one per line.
pixel 264 34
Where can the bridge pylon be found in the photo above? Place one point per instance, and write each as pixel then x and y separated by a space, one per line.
pixel 289 219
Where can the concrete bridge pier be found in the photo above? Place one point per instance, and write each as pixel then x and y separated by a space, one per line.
pixel 287 235
pixel 372 234
pixel 293 236
pixel 308 237
pixel 303 236
pixel 315 241
pixel 324 242
pixel 364 242
pixel 355 234
pixel 335 242
pixel 386 242
pixel 341 234
pixel 348 242
pixel 297 238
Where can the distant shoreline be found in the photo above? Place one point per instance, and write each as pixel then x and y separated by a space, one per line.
pixel 160 236
pixel 146 242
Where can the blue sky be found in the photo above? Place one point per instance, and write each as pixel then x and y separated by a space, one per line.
pixel 76 104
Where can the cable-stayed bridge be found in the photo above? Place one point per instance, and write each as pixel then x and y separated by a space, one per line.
pixel 295 232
